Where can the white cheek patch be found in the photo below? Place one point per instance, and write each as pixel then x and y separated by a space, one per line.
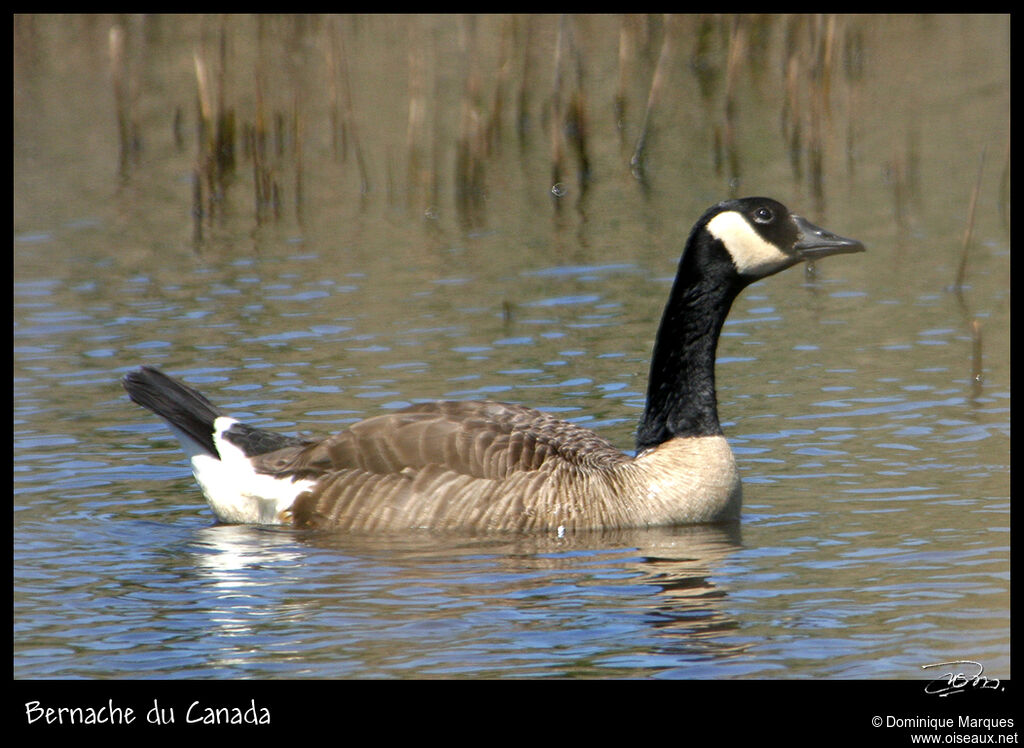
pixel 750 252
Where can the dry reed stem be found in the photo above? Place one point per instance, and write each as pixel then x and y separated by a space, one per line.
pixel 637 161
pixel 556 117
pixel 961 273
pixel 977 368
pixel 471 146
pixel 416 114
pixel 977 359
pixel 523 95
pixel 626 52
pixel 348 115
pixel 736 54
pixel 122 99
pixel 298 125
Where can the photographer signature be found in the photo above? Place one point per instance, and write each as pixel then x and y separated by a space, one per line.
pixel 968 674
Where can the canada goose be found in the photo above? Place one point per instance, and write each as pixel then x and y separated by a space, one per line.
pixel 494 466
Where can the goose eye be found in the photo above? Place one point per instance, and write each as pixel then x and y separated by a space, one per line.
pixel 763 215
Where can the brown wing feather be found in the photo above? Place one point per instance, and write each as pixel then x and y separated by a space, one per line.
pixel 464 464
pixel 478 439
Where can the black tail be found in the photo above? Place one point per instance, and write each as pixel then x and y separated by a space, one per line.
pixel 185 409
pixel 191 415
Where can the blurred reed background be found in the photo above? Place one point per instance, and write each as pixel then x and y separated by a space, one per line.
pixel 427 114
pixel 590 95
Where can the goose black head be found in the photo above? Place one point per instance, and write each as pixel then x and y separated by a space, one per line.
pixel 761 237
pixel 732 245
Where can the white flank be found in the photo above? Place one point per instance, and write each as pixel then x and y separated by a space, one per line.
pixel 235 491
pixel 751 254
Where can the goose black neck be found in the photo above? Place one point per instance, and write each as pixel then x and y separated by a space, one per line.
pixel 681 399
